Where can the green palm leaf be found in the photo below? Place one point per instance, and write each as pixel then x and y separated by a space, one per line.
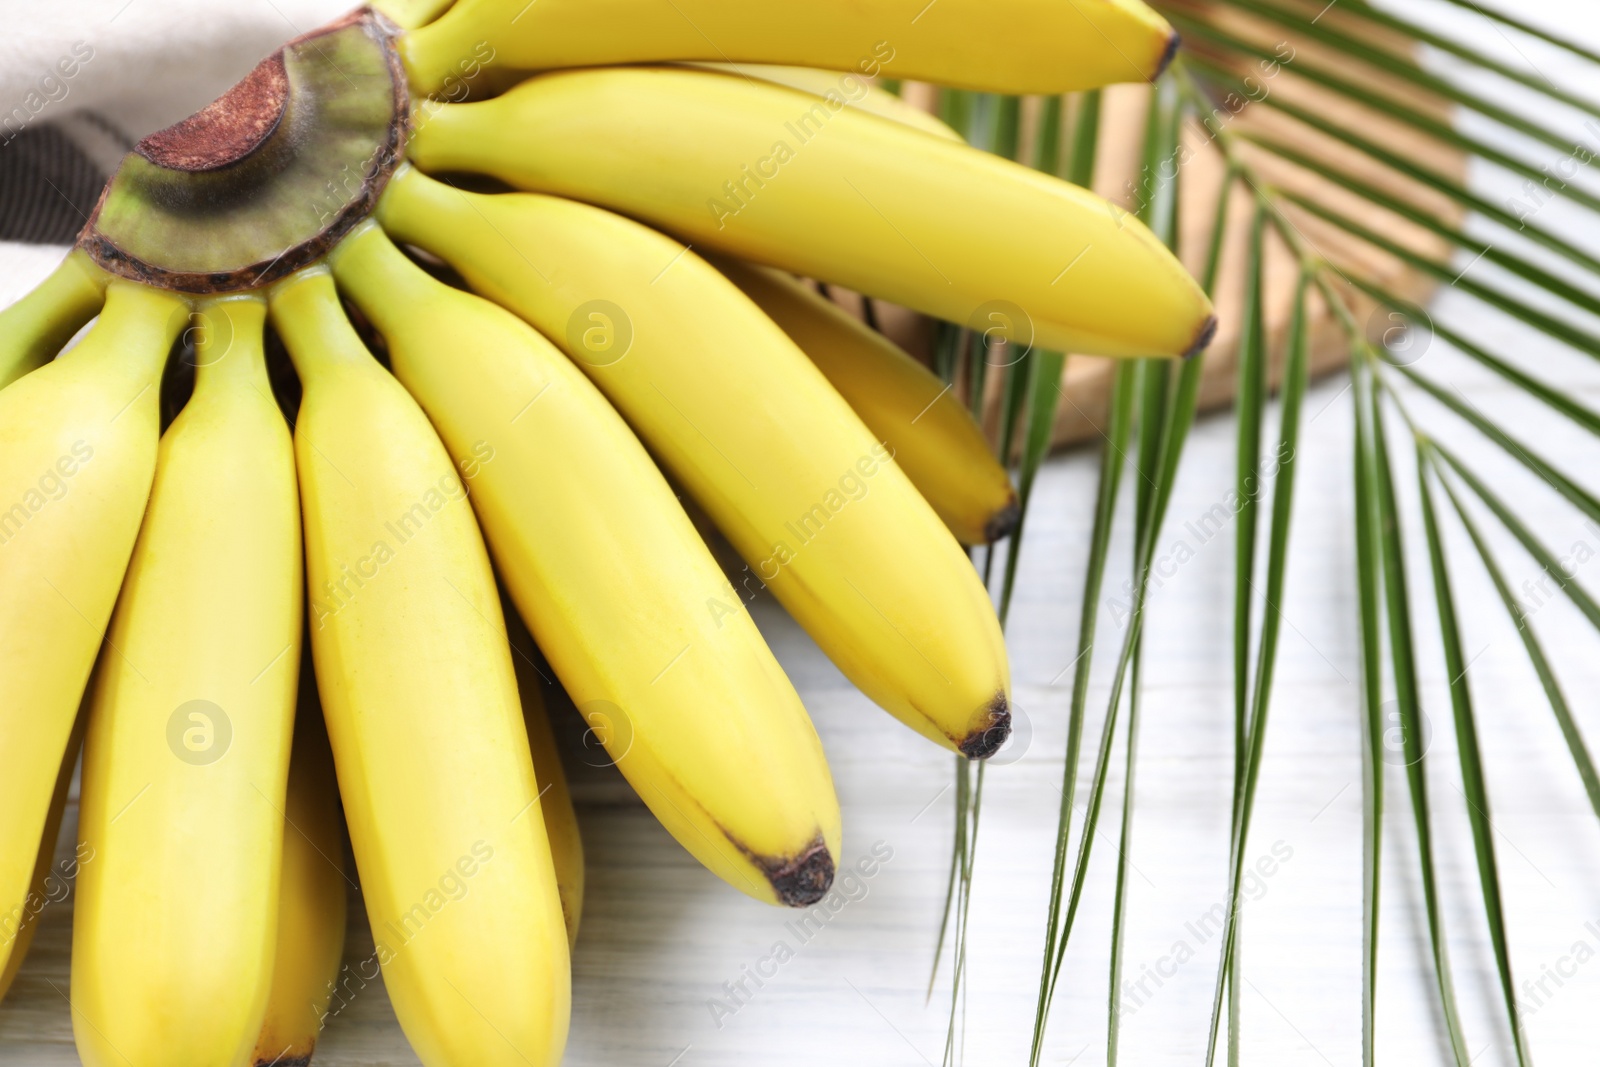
pixel 1363 59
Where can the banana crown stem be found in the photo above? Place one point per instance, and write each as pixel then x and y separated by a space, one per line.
pixel 135 331
pixel 263 180
pixel 33 329
pixel 228 348
pixel 443 134
pixel 380 278
pixel 307 314
pixel 430 54
pixel 413 201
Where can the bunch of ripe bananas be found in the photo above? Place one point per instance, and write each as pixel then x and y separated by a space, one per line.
pixel 520 424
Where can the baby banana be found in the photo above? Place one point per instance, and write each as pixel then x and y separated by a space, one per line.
pixel 311 895
pixel 187 752
pixel 933 436
pixel 783 178
pixel 421 706
pixel 815 505
pixel 47 885
pixel 611 578
pixel 555 803
pixel 1006 46
pixel 78 441
pixel 855 91
pixel 33 329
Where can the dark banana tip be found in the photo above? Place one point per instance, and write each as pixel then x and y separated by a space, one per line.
pixel 803 880
pixel 1173 44
pixel 985 742
pixel 1002 522
pixel 1203 339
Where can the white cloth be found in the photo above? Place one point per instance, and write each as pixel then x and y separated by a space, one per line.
pixel 149 62
pixel 108 72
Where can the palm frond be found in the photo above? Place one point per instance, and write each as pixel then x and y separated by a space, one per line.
pixel 1030 394
pixel 1167 413
pixel 1405 69
pixel 1476 789
pixel 1253 695
pixel 1162 131
pixel 1408 697
pixel 1536 655
pixel 1368 551
pixel 1520 26
pixel 1414 31
pixel 1579 497
pixel 1112 461
pixel 1323 179
pixel 1536 548
pixel 1562 402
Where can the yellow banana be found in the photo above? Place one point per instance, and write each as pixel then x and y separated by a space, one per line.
pixel 555 803
pixel 311 896
pixel 48 885
pixel 187 752
pixel 33 329
pixel 608 573
pixel 421 707
pixel 1007 46
pixel 814 504
pixel 933 436
pixel 408 14
pixel 78 442
pixel 852 89
pixel 776 176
